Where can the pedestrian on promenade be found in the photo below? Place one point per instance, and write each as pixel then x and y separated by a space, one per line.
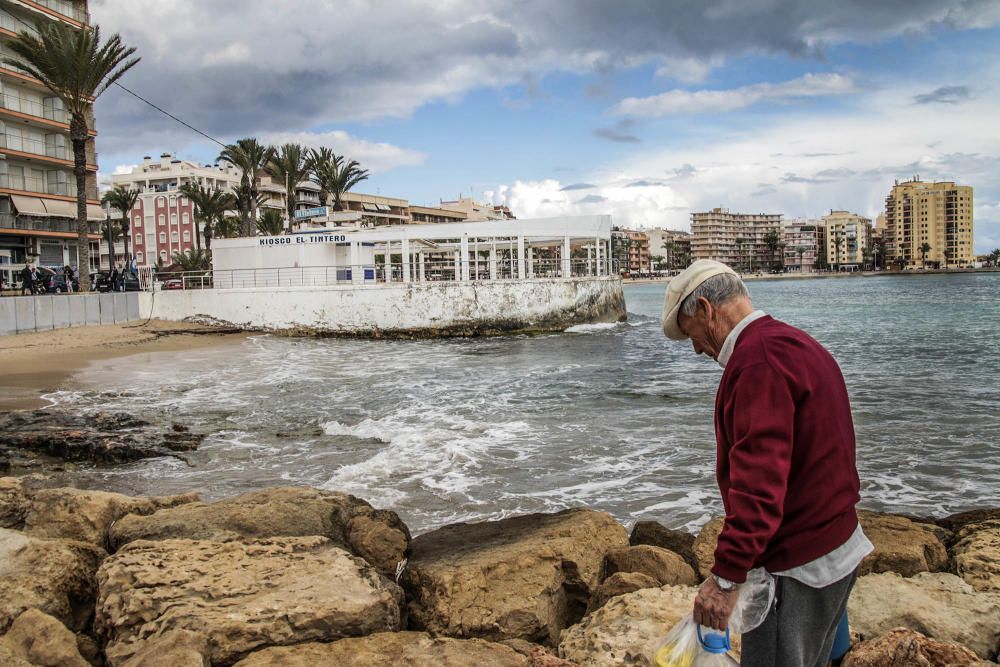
pixel 113 278
pixel 28 278
pixel 68 277
pixel 785 467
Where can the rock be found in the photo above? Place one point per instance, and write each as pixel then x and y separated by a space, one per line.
pixel 976 554
pixel 524 577
pixel 901 545
pixel 664 566
pixel 956 522
pixel 40 640
pixel 617 584
pixel 86 515
pixel 54 576
pixel 906 648
pixel 704 546
pixel 378 536
pixel 114 421
pixel 174 647
pixel 939 605
pixel 628 629
pixel 658 535
pixel 242 595
pixel 13 503
pixel 390 648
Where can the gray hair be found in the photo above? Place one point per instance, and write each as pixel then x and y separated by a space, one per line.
pixel 717 290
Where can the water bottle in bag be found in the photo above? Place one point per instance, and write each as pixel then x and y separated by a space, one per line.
pixel 714 650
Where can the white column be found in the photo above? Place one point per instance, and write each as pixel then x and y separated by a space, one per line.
pixel 458 265
pixel 406 260
pixel 565 258
pixel 357 272
pixel 493 260
pixel 520 257
pixel 420 266
pixel 597 257
pixel 387 267
pixel 464 251
pixel 531 262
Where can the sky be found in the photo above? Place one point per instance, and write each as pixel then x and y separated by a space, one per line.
pixel 643 109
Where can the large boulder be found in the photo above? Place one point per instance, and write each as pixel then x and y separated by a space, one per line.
pixel 902 647
pixel 390 648
pixel 54 576
pixel 13 503
pixel 38 639
pixel 666 567
pixel 86 515
pixel 617 584
pixel 956 522
pixel 241 595
pixel 172 648
pixel 378 536
pixel 902 546
pixel 628 629
pixel 939 605
pixel 976 554
pixel 704 546
pixel 657 535
pixel 524 577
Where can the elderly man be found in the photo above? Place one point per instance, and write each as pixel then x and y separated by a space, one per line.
pixel 785 468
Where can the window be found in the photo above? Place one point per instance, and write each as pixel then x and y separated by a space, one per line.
pixel 161 220
pixel 163 237
pixel 139 257
pixel 163 254
pixel 187 218
pixel 161 201
pixel 173 218
pixel 173 200
pixel 138 221
pixel 174 237
pixel 138 239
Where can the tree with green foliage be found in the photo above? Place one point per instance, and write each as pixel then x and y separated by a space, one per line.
pixel 210 205
pixel 772 239
pixel 251 157
pixel 122 198
pixel 344 178
pixel 925 248
pixel 289 165
pixel 193 260
pixel 77 66
pixel 270 223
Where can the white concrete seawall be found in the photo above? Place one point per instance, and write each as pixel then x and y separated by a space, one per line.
pixel 418 309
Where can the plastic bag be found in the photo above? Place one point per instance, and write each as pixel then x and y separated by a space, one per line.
pixel 685 646
pixel 756 595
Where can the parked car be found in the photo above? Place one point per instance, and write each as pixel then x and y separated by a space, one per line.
pixel 101 282
pixel 54 282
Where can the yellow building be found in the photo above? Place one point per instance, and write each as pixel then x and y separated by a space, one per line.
pixel 37 185
pixel 929 225
pixel 737 239
pixel 848 240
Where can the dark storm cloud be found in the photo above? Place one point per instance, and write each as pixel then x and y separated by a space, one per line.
pixel 619 133
pixel 260 69
pixel 945 95
pixel 577 186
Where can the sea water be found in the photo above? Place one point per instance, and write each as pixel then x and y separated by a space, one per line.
pixel 612 417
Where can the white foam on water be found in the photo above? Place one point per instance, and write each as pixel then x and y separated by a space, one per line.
pixel 591 328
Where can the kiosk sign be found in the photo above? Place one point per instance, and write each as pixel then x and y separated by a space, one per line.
pixel 317 212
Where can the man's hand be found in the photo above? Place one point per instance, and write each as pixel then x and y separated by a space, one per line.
pixel 712 606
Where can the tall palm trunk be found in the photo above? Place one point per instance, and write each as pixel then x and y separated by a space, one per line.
pixel 78 136
pixel 125 231
pixel 250 226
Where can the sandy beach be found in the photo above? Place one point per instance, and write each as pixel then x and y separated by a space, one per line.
pixel 36 363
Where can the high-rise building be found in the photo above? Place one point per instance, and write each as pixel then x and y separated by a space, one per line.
pixel 37 184
pixel 929 225
pixel 803 238
pixel 737 239
pixel 848 240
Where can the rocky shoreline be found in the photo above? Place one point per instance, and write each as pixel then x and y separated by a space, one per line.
pixel 300 576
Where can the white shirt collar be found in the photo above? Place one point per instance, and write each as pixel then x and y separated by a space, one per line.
pixel 730 342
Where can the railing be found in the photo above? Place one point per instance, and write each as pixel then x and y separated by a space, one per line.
pixel 10 23
pixel 32 108
pixel 41 186
pixel 378 273
pixel 29 145
pixel 9 221
pixel 66 9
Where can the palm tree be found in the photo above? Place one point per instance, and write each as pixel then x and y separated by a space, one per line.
pixel 800 251
pixel 740 241
pixel 210 204
pixel 671 247
pixel 994 258
pixel 323 165
pixel 925 248
pixel 193 260
pixel 837 241
pixel 123 198
pixel 250 156
pixel 270 223
pixel 346 176
pixel 773 241
pixel 289 164
pixel 77 67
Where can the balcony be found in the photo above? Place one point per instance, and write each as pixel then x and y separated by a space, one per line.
pixel 8 221
pixel 32 108
pixel 68 9
pixel 37 185
pixel 34 146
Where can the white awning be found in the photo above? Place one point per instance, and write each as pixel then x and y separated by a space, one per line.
pixel 369 207
pixel 29 205
pixel 95 213
pixel 383 207
pixel 62 209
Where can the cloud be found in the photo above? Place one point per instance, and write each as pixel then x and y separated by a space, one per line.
pixel 618 133
pixel 592 199
pixel 720 101
pixel 643 183
pixel 375 156
pixel 945 95
pixel 577 186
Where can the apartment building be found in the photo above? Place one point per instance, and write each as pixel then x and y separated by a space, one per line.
pixel 737 239
pixel 929 224
pixel 475 210
pixel 37 185
pixel 848 240
pixel 672 245
pixel 803 238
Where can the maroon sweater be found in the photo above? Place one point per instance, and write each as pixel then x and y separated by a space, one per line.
pixel 785 445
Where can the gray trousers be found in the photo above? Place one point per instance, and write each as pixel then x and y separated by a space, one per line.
pixel 800 628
